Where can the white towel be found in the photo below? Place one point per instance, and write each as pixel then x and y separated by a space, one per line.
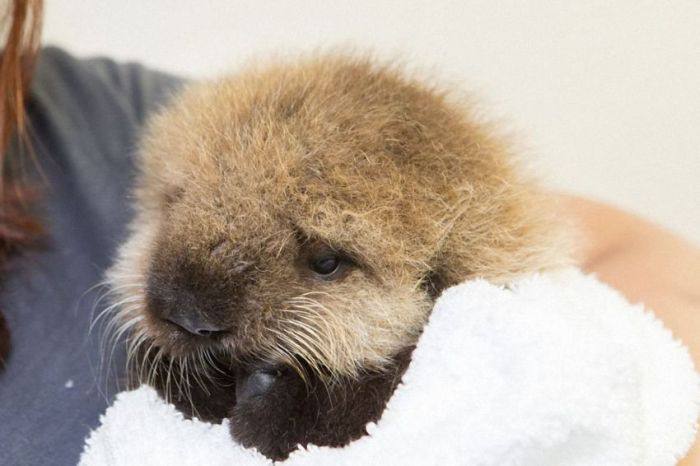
pixel 555 369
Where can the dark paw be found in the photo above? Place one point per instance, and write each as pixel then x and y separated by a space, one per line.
pixel 274 411
pixel 279 411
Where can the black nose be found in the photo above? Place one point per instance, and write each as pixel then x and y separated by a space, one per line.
pixel 195 324
pixel 191 295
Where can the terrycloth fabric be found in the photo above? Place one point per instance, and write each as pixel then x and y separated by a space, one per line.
pixel 552 370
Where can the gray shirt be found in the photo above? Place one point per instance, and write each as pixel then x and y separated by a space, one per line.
pixel 85 118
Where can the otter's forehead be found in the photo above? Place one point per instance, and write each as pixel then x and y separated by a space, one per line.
pixel 343 150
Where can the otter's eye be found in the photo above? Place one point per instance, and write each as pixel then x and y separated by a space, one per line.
pixel 326 265
pixel 319 260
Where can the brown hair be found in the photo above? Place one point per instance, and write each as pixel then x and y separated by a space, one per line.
pixel 21 23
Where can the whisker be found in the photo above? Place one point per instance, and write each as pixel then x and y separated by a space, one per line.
pixel 167 381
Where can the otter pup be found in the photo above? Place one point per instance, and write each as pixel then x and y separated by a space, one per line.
pixel 294 224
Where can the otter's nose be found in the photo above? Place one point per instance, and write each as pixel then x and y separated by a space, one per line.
pixel 192 297
pixel 195 324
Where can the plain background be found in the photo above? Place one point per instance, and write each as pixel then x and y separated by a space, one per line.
pixel 603 97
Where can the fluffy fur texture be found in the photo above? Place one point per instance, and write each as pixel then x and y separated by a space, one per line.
pixel 247 181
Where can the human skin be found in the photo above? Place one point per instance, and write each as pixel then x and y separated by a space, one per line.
pixel 647 264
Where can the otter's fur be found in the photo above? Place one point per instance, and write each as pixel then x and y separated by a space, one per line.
pixel 245 181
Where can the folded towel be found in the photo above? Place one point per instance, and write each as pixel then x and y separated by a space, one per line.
pixel 555 369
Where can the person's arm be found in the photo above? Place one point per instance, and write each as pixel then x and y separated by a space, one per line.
pixel 647 264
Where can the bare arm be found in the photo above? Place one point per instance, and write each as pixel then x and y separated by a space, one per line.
pixel 647 264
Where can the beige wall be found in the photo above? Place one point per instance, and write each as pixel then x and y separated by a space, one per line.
pixel 604 96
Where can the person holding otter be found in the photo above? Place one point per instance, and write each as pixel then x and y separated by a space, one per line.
pixel 64 215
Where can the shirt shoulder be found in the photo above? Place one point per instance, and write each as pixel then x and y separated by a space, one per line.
pixel 101 85
pixel 86 117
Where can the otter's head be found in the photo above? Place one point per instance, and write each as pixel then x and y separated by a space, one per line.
pixel 294 224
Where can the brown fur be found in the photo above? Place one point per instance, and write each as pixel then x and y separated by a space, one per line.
pixel 245 178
